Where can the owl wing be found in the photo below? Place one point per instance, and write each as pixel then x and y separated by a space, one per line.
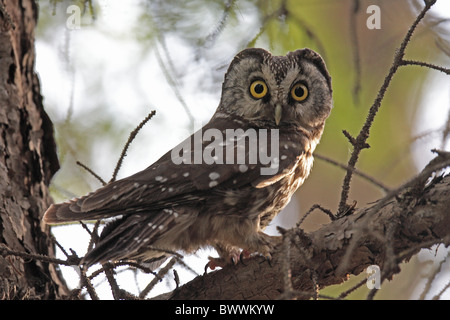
pixel 288 148
pixel 168 183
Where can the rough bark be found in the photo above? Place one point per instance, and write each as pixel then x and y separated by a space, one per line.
pixel 384 237
pixel 27 160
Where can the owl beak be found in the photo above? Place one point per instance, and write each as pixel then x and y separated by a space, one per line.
pixel 278 113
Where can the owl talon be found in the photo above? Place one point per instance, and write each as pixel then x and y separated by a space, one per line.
pixel 212 264
pixel 268 258
pixel 244 255
pixel 220 262
pixel 241 258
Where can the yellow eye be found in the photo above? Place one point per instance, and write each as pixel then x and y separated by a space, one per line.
pixel 258 89
pixel 299 92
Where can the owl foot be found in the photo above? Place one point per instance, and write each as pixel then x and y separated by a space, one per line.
pixel 228 255
pixel 264 245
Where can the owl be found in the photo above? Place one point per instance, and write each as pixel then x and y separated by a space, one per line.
pixel 197 194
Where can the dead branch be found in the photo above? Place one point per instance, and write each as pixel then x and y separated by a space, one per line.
pixel 359 143
pixel 133 135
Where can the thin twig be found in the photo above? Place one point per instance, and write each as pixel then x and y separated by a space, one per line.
pixel 85 167
pixel 176 278
pixel 287 274
pixel 94 236
pixel 130 139
pixel 122 263
pixel 316 290
pixel 360 140
pixel 210 39
pixel 158 277
pixel 4 251
pixel 109 272
pixel 440 293
pixel 356 171
pixel 432 277
pixel 356 286
pixel 86 282
pixel 171 80
pixel 59 246
pixel 314 207
pixel 424 64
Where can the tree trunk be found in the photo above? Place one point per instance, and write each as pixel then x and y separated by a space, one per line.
pixel 27 160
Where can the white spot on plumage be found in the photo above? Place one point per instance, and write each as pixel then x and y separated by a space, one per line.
pixel 242 168
pixel 214 175
pixel 186 174
pixel 158 178
pixel 213 184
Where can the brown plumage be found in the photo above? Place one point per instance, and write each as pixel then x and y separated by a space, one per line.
pixel 204 197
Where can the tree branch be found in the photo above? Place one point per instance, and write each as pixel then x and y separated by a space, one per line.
pixel 394 233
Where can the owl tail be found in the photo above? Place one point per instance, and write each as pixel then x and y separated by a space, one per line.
pixel 124 238
pixel 70 211
pixel 60 213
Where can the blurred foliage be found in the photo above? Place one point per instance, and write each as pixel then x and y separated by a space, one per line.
pixel 210 33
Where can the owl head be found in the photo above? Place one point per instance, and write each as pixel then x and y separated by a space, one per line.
pixel 278 91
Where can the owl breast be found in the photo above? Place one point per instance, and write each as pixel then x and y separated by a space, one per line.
pixel 233 215
pixel 283 190
pixel 262 204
